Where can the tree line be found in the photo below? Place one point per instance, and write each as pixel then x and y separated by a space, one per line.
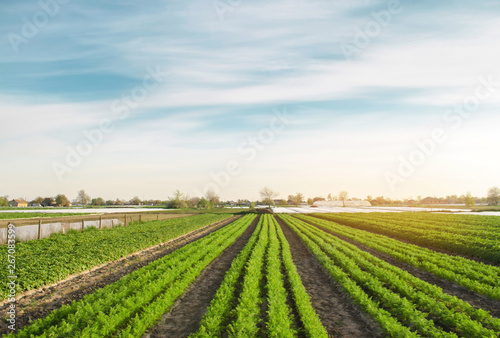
pixel 268 197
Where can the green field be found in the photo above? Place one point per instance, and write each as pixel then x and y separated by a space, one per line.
pixel 262 292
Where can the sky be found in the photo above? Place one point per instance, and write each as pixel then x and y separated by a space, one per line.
pixel 122 99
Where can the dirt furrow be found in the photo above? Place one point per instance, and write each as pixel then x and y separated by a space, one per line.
pixel 185 315
pixel 340 315
pixel 39 303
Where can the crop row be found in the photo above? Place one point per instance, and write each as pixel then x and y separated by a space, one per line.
pixel 45 261
pixel 261 268
pixel 472 221
pixel 469 245
pixel 453 225
pixel 403 304
pixel 130 306
pixel 478 277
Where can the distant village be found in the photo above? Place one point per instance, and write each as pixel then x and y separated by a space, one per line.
pixel 180 200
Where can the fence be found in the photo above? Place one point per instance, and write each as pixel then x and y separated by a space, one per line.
pixel 38 228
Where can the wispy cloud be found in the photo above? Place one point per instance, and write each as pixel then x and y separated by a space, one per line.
pixel 226 77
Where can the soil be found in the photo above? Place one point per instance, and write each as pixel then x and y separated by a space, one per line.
pixel 36 304
pixel 476 300
pixel 186 314
pixel 340 315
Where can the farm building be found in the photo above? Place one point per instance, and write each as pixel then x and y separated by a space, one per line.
pixel 18 203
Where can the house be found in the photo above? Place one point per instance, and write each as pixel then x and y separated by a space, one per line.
pixel 18 203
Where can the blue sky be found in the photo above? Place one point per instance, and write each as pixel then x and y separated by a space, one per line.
pixel 184 86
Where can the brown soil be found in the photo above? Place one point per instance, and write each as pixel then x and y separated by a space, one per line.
pixel 39 303
pixel 185 315
pixel 340 315
pixel 476 300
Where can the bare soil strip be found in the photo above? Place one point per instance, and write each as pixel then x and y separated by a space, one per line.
pixel 476 300
pixel 39 303
pixel 340 315
pixel 185 315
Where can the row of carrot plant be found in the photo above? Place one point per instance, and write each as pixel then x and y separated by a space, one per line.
pixel 259 272
pixel 48 260
pixel 133 304
pixel 478 277
pixel 482 226
pixel 484 247
pixel 472 221
pixel 405 306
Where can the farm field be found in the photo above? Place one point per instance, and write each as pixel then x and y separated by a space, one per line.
pixel 41 262
pixel 283 275
pixel 470 235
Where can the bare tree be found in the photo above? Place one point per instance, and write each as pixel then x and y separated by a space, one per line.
pixel 296 199
pixel 343 196
pixel 82 198
pixel 212 197
pixel 268 195
pixel 193 202
pixel 494 196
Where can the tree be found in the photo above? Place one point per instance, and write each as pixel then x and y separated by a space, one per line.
pixel 343 195
pixel 37 200
pixel 110 202
pixel 212 197
pixel 119 202
pixel 369 198
pixel 494 196
pixel 310 201
pixel 62 200
pixel 193 202
pixel 318 199
pixel 177 201
pixel 98 201
pixel 469 200
pixel 329 197
pixel 204 203
pixel 252 205
pixel 296 199
pixel 135 201
pixel 82 198
pixel 4 201
pixel 268 196
pixel 48 202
